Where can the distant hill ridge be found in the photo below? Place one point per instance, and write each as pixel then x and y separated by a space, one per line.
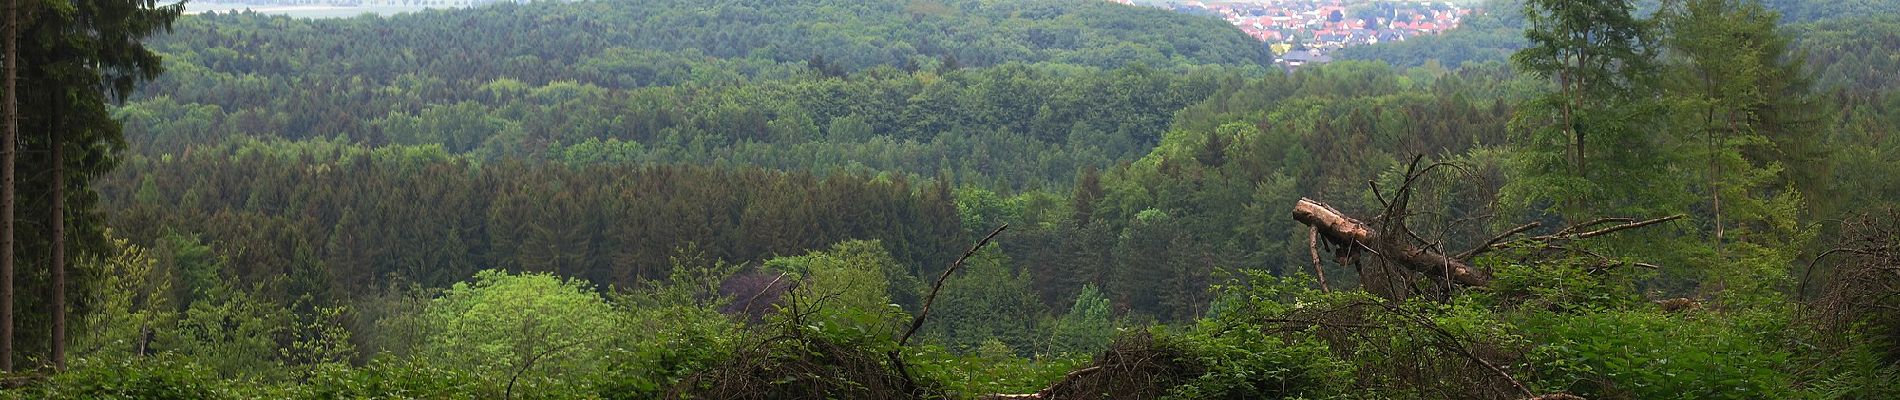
pixel 850 35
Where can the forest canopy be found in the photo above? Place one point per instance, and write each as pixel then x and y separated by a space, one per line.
pixel 964 199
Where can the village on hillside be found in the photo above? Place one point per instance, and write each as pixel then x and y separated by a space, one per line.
pixel 1307 31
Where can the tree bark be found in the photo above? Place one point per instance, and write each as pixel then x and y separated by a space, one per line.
pixel 7 147
pixel 1351 234
pixel 59 255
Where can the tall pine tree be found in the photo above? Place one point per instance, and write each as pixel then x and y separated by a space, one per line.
pixel 1730 73
pixel 73 58
pixel 1587 144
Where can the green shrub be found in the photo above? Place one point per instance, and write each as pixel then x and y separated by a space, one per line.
pixel 1566 284
pixel 386 378
pixel 994 368
pixel 154 378
pixel 1650 355
pixel 533 331
pixel 1244 364
pixel 664 344
pixel 1239 356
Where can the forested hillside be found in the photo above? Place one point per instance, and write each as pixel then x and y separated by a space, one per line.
pixel 921 87
pixel 1599 199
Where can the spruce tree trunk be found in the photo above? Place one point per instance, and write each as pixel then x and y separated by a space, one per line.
pixel 7 147
pixel 59 254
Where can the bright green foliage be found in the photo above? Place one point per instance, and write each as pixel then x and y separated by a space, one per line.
pixel 1085 329
pixel 1649 355
pixel 159 378
pixel 997 370
pixel 192 267
pixel 235 336
pixel 134 299
pixel 673 328
pixel 459 128
pixel 537 328
pixel 1245 365
pixel 1562 285
pixel 1241 360
pixel 229 330
pixel 384 378
pixel 983 210
pixel 846 290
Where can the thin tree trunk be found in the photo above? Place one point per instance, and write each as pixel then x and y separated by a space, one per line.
pixel 59 254
pixel 7 147
pixel 1572 88
pixel 1720 233
pixel 1577 93
pixel 1312 246
pixel 1715 162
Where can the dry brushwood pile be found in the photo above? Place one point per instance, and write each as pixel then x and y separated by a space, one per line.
pixel 1394 263
pixel 1402 255
pixel 1136 367
pixel 798 366
pixel 1397 318
pixel 1397 251
pixel 1864 285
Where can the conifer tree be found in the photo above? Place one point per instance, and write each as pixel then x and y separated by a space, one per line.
pixel 83 54
pixel 1597 55
pixel 1729 70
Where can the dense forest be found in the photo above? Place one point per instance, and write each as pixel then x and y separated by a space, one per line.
pixel 1562 199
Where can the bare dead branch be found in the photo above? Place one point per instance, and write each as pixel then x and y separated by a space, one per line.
pixel 516 376
pixel 755 296
pixel 1319 323
pixel 1312 246
pixel 1487 246
pixel 938 286
pixel 1605 231
pixel 1599 221
pixel 1809 271
pixel 896 355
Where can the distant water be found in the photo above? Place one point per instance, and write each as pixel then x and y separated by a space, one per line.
pixel 302 10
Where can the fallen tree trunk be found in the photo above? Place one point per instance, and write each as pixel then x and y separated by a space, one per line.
pixel 1350 235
